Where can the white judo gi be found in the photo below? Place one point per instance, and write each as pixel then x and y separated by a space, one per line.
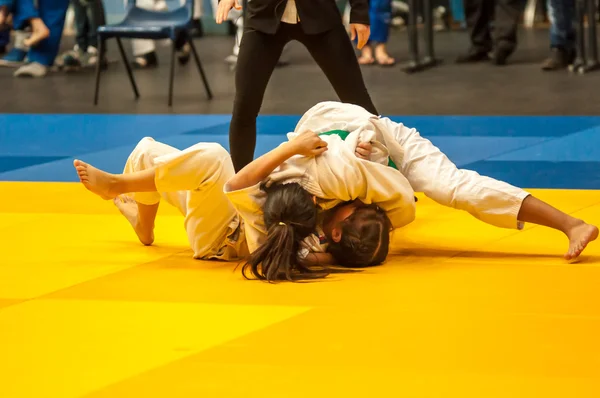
pixel 338 175
pixel 192 180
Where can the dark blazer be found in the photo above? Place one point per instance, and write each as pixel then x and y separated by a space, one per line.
pixel 316 16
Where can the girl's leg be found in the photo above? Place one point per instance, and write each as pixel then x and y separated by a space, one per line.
pixel 259 53
pixel 191 180
pixel 579 233
pixel 495 202
pixel 335 55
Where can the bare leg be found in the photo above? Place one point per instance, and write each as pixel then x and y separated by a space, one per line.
pixel 579 233
pixel 108 186
pixel 39 32
pixel 140 216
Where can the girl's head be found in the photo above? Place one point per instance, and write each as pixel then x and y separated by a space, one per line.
pixel 290 215
pixel 358 234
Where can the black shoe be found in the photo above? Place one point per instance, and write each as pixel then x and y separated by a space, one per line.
pixel 559 59
pixel 472 56
pixel 500 56
pixel 149 60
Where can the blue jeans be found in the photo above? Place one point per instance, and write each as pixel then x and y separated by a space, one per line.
pixel 562 30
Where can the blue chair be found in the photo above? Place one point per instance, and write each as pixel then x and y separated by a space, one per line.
pixel 144 24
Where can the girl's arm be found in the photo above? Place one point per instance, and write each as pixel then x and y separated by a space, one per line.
pixel 318 259
pixel 307 144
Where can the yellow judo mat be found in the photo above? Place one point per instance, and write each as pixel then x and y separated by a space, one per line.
pixel 461 309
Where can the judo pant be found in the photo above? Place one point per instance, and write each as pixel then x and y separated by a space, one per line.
pixel 192 180
pixel 429 170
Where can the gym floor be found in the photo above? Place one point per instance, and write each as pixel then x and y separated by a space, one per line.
pixel 460 309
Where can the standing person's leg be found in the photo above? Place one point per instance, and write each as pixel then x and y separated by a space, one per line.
pixel 83 30
pixel 71 59
pixel 495 202
pixel 144 51
pixel 53 13
pixel 259 53
pixel 381 17
pixel 335 55
pixel 506 19
pixel 479 14
pixel 562 34
pixel 192 180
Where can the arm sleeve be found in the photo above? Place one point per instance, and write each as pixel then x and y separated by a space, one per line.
pixel 391 191
pixel 359 12
pixel 248 203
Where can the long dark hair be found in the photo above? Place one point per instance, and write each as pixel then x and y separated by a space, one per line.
pixel 290 215
pixel 365 239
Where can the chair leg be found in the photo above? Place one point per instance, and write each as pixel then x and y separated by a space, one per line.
pixel 172 73
pixel 199 65
pixel 101 51
pixel 128 67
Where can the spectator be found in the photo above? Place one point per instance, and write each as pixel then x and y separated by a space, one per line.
pixel 380 12
pixel 89 15
pixel 43 52
pixel 479 14
pixel 562 34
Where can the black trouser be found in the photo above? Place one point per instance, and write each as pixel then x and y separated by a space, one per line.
pixel 89 15
pixel 259 53
pixel 505 15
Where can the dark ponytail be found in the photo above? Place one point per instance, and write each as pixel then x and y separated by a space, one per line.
pixel 290 216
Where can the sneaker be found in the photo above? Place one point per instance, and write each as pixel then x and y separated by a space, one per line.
pixel 559 59
pixel 33 69
pixel 15 58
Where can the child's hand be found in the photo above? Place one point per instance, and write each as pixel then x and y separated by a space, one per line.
pixel 308 143
pixel 363 150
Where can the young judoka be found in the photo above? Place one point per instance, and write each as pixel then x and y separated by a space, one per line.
pixel 192 180
pixel 429 171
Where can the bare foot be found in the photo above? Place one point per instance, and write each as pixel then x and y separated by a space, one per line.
pixel 129 209
pixel 40 32
pixel 382 57
pixel 366 56
pixel 579 236
pixel 97 181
